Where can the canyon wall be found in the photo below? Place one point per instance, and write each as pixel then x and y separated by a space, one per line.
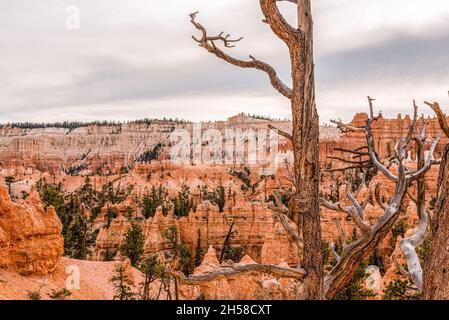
pixel 107 149
pixel 92 149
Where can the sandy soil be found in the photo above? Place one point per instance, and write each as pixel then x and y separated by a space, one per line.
pixel 94 281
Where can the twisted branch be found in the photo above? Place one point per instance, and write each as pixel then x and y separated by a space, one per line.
pixel 209 43
pixel 278 24
pixel 281 133
pixel 239 270
pixel 441 117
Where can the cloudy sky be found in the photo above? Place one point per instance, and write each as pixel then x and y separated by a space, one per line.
pixel 135 59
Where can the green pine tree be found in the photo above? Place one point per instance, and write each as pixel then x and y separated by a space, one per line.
pixel 133 244
pixel 199 252
pixel 77 239
pixel 122 290
pixel 152 269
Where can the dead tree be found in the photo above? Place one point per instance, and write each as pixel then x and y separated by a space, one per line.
pixel 372 235
pixel 228 237
pixel 436 286
pixel 409 244
pixel 304 136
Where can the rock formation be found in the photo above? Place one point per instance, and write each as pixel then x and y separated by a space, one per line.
pixel 257 231
pixel 109 239
pixel 30 237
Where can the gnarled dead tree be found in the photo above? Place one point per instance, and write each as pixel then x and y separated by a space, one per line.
pixel 371 236
pixel 409 245
pixel 304 136
pixel 436 284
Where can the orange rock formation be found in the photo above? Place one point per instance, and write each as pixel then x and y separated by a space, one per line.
pixel 30 237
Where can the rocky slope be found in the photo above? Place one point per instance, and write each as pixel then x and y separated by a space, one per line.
pixel 93 282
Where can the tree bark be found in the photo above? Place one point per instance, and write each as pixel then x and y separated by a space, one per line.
pixel 409 244
pixel 436 274
pixel 305 148
pixel 359 250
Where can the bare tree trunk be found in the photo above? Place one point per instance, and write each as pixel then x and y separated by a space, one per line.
pixel 227 239
pixel 305 202
pixel 409 244
pixel 436 274
pixel 306 163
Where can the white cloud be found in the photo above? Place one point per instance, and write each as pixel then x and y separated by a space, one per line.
pixel 134 59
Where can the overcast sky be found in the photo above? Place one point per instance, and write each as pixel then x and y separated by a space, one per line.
pixel 135 59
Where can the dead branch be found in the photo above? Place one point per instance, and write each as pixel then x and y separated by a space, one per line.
pixel 334 253
pixel 366 166
pixel 227 239
pixel 349 161
pixel 341 232
pixel 441 117
pixel 239 270
pixel 345 128
pixel 303 206
pixel 401 269
pixel 279 24
pixel 281 133
pixel 400 148
pixel 356 151
pixel 409 245
pixel 282 213
pixel 355 211
pixel 210 44
pixel 378 197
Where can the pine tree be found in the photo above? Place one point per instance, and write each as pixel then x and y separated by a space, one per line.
pixel 171 234
pixel 399 290
pixel 122 290
pixel 79 237
pixel 355 289
pixel 9 180
pixel 89 197
pixel 182 203
pixel 133 244
pixel 199 253
pixel 110 214
pixel 152 269
pixel 152 200
pixel 185 259
pixel 220 198
pixel 108 255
